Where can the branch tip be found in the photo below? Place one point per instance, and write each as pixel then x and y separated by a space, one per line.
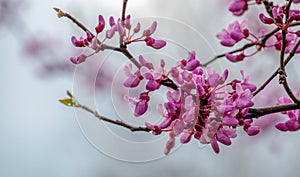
pixel 59 12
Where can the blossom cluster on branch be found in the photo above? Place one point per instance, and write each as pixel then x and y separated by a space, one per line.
pixel 202 103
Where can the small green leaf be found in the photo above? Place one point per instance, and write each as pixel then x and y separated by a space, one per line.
pixel 59 13
pixel 68 102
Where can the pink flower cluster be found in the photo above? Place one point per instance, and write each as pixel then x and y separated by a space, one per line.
pixel 293 124
pixel 277 17
pixel 236 31
pixel 239 7
pixel 123 29
pixel 291 40
pixel 203 106
pixel 233 34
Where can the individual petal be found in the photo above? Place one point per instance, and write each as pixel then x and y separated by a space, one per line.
pixel 154 128
pixel 237 36
pixel 213 79
pixel 89 36
pixel 235 58
pixel 152 85
pixel 188 102
pixel 158 44
pixel 111 21
pixel 215 146
pixel 230 121
pixel 244 100
pixel 170 144
pixel 95 44
pixel 145 63
pixel 253 130
pixel 140 108
pixel 120 28
pixel 77 60
pixel 265 19
pixel 111 32
pixel 101 24
pixel 77 43
pixel 281 126
pixel 165 123
pixel 189 115
pixel 292 125
pixel 127 22
pixel 132 81
pixel 228 42
pixel 224 76
pixel 131 100
pixel 223 138
pixel 185 137
pixel 178 126
pixel 148 32
pixel 238 6
pixel 137 28
pixel 128 70
pixel 192 64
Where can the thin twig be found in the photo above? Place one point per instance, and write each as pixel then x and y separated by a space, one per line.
pixel 76 104
pixel 286 61
pixel 123 16
pixel 122 50
pixel 289 91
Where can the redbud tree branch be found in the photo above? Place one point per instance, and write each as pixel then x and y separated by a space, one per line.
pixel 122 45
pixel 282 73
pixel 261 43
pixel 253 112
pixel 72 102
pixel 258 112
pixel 122 49
pixel 286 61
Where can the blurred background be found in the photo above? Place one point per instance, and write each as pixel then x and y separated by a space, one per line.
pixel 41 137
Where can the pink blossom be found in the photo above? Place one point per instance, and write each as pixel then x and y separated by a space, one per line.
pixel 235 58
pixel 156 44
pixel 140 108
pixel 238 7
pixel 148 32
pixel 101 24
pixel 236 32
pixel 204 106
pixel 253 130
pixel 133 80
pixel 77 60
pixel 266 20
pixel 170 144
pixel 293 124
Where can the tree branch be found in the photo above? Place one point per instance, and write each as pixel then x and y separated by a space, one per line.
pixel 258 112
pixel 72 102
pixel 286 61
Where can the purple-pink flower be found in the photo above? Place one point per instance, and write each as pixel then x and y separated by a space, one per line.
pixel 293 124
pixel 233 34
pixel 238 7
pixel 204 106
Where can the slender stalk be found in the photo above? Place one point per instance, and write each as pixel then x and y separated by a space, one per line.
pixel 76 104
pixel 286 61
